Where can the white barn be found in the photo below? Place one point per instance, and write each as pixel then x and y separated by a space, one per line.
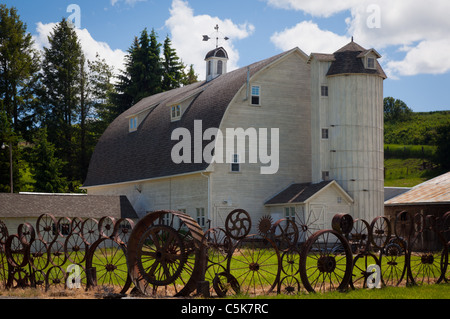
pixel 307 135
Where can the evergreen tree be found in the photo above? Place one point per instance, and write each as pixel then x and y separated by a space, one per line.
pixel 60 95
pixel 46 167
pixel 173 69
pixel 18 62
pixel 190 77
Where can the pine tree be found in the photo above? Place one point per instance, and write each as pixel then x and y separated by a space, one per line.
pixel 46 167
pixel 61 88
pixel 173 68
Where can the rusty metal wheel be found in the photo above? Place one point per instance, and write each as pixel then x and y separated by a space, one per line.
pixel 342 223
pixel 75 248
pixel 358 238
pixel 38 279
pixel 4 268
pixel 217 245
pixel 46 228
pixel 108 257
pixel 289 285
pixel 380 232
pixel 394 262
pixel 39 256
pixel 428 256
pixel 26 233
pixel 122 230
pixel 284 234
pixel 362 265
pixel 404 224
pixel 106 226
pixel 265 225
pixel 166 258
pixel 18 278
pixel 238 224
pixel 17 252
pixel 307 224
pixel 57 255
pixel 3 233
pixel 290 262
pixel 90 230
pixel 56 278
pixel 76 225
pixel 326 262
pixel 225 284
pixel 255 262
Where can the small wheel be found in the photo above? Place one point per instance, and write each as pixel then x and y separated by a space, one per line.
pixel 342 223
pixel 326 262
pixel 403 224
pixel 17 252
pixel 46 228
pixel 290 262
pixel 218 245
pixel 393 260
pixel 76 225
pixel 57 254
pixel 56 278
pixel 106 226
pixel 238 224
pixel 39 256
pixel 358 238
pixel 289 285
pixel 75 248
pixel 122 230
pixel 284 234
pixel 380 232
pixel 90 230
pixel 26 233
pixel 361 265
pixel 63 226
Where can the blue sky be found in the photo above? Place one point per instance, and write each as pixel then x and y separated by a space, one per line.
pixel 412 36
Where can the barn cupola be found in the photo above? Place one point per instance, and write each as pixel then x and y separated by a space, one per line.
pixel 216 63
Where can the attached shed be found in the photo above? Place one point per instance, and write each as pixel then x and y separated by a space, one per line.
pixel 311 203
pixel 16 209
pixel 429 198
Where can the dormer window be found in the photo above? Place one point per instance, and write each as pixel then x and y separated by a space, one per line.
pixel 256 93
pixel 370 63
pixel 175 112
pixel 133 123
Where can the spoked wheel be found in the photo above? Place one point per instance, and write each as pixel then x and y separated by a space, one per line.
pixel 57 255
pixel 75 248
pixel 225 284
pixel 109 260
pixel 326 262
pixel 17 252
pixel 284 234
pixel 290 262
pixel 217 244
pixel 122 230
pixel 256 265
pixel 363 266
pixel 46 228
pixel 90 230
pixel 358 237
pixel 380 232
pixel 106 226
pixel 238 224
pixel 165 254
pixel 289 285
pixel 393 259
pixel 39 257
pixel 428 260
pixel 56 278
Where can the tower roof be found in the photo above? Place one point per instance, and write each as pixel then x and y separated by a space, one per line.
pixel 349 60
pixel 219 52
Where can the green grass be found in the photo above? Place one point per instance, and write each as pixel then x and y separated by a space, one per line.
pixel 408 172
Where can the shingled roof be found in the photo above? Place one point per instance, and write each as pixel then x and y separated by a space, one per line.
pixel 297 193
pixel 65 205
pixel 121 156
pixel 347 60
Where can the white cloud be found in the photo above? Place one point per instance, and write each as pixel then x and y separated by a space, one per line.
pixel 89 45
pixel 418 29
pixel 308 37
pixel 317 8
pixel 186 34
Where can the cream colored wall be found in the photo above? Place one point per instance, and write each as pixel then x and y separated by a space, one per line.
pixel 173 193
pixel 285 104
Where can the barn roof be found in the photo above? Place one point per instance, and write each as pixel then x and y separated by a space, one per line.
pixel 65 205
pixel 301 192
pixel 121 156
pixel 434 191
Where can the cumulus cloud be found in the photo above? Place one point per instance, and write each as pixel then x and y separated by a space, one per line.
pixel 309 37
pixel 89 45
pixel 419 30
pixel 187 29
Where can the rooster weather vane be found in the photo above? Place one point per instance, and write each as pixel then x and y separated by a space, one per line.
pixel 217 36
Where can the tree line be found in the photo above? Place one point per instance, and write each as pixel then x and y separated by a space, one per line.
pixel 55 103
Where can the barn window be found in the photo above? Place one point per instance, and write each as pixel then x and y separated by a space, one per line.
pixel 289 213
pixel 324 90
pixel 133 124
pixel 325 175
pixel 324 133
pixel 175 112
pixel 219 67
pixel 201 217
pixel 235 163
pixel 256 93
pixel 370 63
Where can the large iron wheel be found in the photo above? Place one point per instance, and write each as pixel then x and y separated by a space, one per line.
pixel 394 262
pixel 256 265
pixel 380 232
pixel 326 262
pixel 46 228
pixel 108 257
pixel 165 254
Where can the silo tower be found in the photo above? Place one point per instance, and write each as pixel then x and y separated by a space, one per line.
pixel 347 125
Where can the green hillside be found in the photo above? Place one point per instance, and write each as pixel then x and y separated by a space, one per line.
pixel 411 148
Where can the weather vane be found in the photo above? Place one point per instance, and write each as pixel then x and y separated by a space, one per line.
pixel 207 37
